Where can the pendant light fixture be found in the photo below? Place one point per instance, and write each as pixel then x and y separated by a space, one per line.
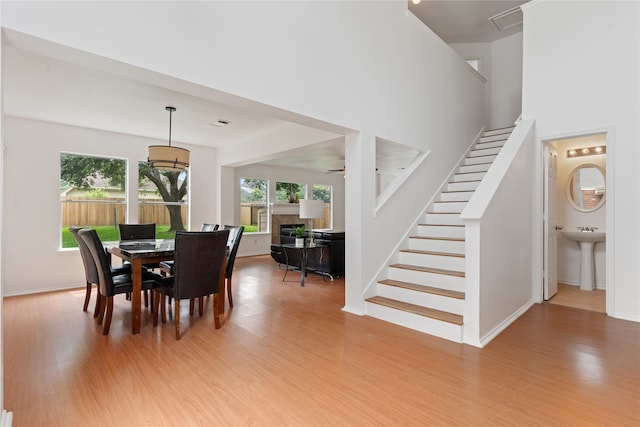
pixel 168 158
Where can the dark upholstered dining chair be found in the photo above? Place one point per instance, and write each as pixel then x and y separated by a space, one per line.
pixel 108 284
pixel 91 272
pixel 139 232
pixel 198 269
pixel 235 234
pixel 167 266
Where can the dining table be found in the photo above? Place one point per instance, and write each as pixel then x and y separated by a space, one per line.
pixel 150 251
pixel 139 253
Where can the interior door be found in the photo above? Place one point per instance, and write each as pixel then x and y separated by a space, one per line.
pixel 551 226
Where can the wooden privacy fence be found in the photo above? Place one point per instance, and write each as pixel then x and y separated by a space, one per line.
pixel 110 212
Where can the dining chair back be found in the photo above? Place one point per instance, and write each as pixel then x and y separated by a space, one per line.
pixel 198 265
pixel 108 283
pixel 166 267
pixel 209 227
pixel 235 234
pixel 137 231
pixel 90 271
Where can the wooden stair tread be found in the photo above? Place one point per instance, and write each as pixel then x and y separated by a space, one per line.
pixel 416 251
pixel 452 239
pixel 444 213
pixel 424 288
pixel 417 309
pixel 459 182
pixel 443 225
pixel 429 269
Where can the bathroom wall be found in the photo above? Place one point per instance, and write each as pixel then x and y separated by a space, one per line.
pixel 570 218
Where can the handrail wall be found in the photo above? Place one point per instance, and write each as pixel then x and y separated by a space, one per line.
pixel 499 241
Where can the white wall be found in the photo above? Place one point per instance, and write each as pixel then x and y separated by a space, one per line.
pixel 581 66
pixel 501 65
pixel 367 66
pixel 31 216
pixel 260 243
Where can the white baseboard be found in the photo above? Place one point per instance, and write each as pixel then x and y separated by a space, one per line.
pixel 6 419
pixel 503 325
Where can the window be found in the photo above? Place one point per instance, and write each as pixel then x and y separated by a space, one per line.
pixel 253 205
pixel 323 192
pixel 289 192
pixel 92 194
pixel 474 63
pixel 163 199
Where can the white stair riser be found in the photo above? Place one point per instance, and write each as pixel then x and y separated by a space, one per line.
pixel 416 322
pixel 489 144
pixel 444 281
pixel 448 206
pixel 444 262
pixel 484 152
pixel 424 299
pixel 477 160
pixel 462 186
pixel 437 245
pixel 444 219
pixel 456 196
pixel 472 176
pixel 440 231
pixel 474 168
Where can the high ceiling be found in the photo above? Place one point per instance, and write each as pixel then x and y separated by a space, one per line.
pixel 38 85
pixel 467 21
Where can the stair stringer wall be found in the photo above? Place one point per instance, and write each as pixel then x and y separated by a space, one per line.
pixel 499 241
pixel 370 289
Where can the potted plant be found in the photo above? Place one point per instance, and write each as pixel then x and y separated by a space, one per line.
pixel 300 231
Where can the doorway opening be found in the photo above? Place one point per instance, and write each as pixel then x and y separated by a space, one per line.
pixel 574 189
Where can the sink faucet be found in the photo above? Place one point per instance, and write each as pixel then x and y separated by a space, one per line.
pixel 588 229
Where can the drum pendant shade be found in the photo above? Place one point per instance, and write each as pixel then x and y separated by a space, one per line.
pixel 166 157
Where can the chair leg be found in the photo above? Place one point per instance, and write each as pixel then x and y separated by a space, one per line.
pixel 87 297
pixel 201 305
pixel 156 302
pixel 177 316
pixel 96 310
pixel 229 291
pixel 191 306
pixel 216 310
pixel 103 302
pixel 163 308
pixel 146 299
pixel 107 322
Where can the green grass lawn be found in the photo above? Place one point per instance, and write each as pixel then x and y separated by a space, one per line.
pixel 109 233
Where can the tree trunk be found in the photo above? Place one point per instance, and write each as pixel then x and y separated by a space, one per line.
pixel 175 216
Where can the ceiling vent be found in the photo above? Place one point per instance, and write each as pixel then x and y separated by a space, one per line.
pixel 507 19
pixel 220 123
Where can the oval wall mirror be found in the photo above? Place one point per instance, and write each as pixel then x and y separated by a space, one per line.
pixel 586 188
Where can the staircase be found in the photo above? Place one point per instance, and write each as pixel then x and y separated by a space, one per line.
pixel 425 290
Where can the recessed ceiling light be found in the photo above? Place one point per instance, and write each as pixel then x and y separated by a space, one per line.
pixel 220 123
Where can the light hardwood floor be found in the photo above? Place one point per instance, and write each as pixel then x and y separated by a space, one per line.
pixel 573 296
pixel 289 356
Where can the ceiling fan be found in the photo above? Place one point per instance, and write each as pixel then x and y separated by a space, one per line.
pixel 341 170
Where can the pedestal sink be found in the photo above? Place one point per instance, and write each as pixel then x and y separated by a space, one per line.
pixel 586 240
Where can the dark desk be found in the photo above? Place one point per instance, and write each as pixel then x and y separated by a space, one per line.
pixel 304 253
pixel 138 253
